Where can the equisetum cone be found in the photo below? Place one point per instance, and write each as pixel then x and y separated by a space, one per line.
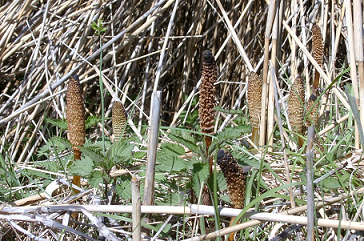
pixel 75 113
pixel 76 120
pixel 255 103
pixel 317 44
pixel 207 98
pixel 296 102
pixel 119 118
pixel 318 53
pixel 312 111
pixel 234 175
pixel 207 92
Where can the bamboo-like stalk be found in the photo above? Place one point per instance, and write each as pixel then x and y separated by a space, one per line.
pixel 76 121
pixel 136 210
pixel 273 61
pixel 310 189
pixel 152 148
pixel 268 29
pixel 359 52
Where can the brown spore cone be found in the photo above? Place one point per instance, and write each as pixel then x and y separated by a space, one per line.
pixel 119 118
pixel 255 85
pixel 296 102
pixel 75 113
pixel 207 92
pixel 235 178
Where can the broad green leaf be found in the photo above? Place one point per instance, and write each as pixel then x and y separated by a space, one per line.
pixel 92 120
pixel 60 123
pixel 82 167
pixel 123 190
pixel 96 178
pixel 189 143
pixel 173 148
pixel 170 164
pixel 93 155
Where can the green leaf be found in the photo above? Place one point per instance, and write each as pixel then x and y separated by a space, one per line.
pixel 123 190
pixel 173 148
pixel 96 178
pixel 200 173
pixel 91 121
pixel 233 112
pixel 60 123
pixel 122 149
pixel 54 146
pixel 187 141
pixel 93 155
pixel 81 167
pixel 170 164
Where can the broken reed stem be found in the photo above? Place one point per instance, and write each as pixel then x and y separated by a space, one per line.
pixel 75 113
pixel 136 207
pixel 152 148
pixel 359 51
pixel 310 191
pixel 351 57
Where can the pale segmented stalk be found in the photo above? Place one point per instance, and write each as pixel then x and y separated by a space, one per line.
pixel 119 117
pixel 255 104
pixel 76 120
pixel 207 97
pixel 296 102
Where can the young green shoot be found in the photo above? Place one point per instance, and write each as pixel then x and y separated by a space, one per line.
pixel 99 30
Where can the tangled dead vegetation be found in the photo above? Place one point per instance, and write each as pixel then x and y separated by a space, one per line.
pixel 153 45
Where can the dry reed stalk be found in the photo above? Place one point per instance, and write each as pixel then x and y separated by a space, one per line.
pixel 296 102
pixel 359 51
pixel 76 121
pixel 273 61
pixel 255 104
pixel 351 53
pixel 207 98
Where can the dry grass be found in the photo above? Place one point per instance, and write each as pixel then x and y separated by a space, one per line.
pixel 158 47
